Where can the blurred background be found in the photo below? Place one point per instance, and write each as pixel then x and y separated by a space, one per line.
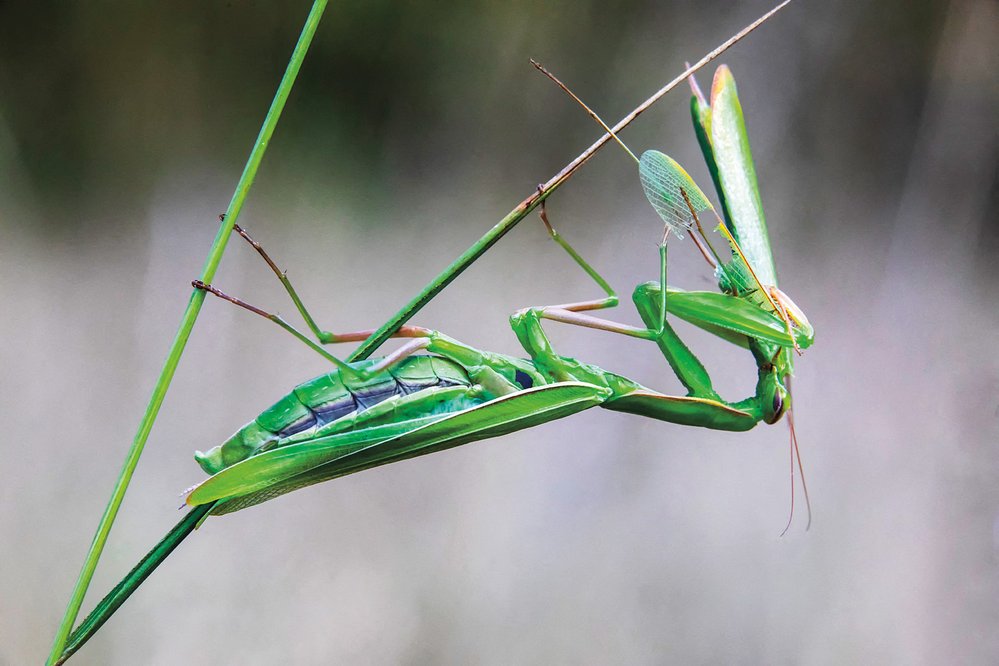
pixel 603 538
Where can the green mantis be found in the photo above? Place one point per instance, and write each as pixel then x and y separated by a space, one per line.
pixel 435 392
pixel 372 413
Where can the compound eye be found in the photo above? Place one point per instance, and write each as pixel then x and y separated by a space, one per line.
pixel 778 404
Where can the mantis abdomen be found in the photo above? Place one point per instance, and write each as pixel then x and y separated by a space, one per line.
pixel 331 404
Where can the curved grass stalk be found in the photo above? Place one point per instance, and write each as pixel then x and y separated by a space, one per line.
pixel 184 331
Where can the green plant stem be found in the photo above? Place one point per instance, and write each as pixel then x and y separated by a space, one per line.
pixel 184 332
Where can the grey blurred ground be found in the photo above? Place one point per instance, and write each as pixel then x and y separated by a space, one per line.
pixel 599 539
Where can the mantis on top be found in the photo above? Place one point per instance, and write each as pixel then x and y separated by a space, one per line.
pixel 369 413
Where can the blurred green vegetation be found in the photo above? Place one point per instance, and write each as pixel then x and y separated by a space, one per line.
pixel 99 99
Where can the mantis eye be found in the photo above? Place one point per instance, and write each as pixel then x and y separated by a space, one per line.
pixel 778 405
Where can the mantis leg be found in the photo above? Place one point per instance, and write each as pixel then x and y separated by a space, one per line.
pixel 688 369
pixel 324 337
pixel 609 301
pixel 403 332
pixel 700 407
pixel 479 364
pixel 527 324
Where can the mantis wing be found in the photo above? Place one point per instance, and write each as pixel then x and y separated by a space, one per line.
pixel 671 191
pixel 265 469
pixel 282 470
pixel 721 131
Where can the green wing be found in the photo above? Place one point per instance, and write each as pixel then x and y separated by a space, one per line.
pixel 282 470
pixel 671 191
pixel 721 131
pixel 268 468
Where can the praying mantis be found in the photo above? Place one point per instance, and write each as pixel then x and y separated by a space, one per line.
pixel 404 405
pixel 435 393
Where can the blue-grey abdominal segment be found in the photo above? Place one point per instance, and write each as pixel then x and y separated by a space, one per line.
pixel 334 409
pixel 523 379
pixel 327 400
pixel 369 396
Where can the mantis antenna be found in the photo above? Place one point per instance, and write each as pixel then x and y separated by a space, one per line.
pixel 593 114
pixel 674 195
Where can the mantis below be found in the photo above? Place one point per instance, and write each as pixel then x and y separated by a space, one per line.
pixel 373 412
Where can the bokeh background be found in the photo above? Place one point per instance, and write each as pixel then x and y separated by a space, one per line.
pixel 599 539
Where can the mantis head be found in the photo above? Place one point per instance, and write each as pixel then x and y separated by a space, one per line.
pixel 777 399
pixel 775 393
